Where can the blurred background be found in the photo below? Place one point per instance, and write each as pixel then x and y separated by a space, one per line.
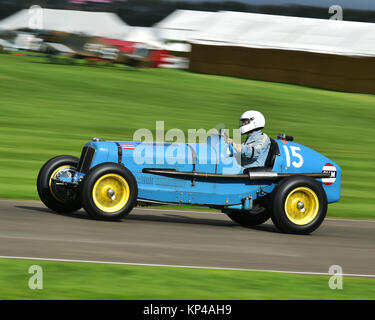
pixel 72 70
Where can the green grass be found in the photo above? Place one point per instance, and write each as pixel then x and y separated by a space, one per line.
pixel 51 109
pixel 72 280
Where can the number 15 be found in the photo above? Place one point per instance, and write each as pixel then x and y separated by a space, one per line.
pixel 294 154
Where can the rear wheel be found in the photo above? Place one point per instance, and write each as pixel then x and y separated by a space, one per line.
pixel 58 197
pixel 299 205
pixel 109 192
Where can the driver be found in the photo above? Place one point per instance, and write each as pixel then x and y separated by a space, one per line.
pixel 255 149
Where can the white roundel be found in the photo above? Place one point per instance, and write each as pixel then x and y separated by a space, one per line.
pixel 331 169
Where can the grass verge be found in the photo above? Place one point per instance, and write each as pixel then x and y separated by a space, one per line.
pixel 75 280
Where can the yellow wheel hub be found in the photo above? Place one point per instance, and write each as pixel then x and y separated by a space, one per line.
pixel 53 175
pixel 301 206
pixel 111 193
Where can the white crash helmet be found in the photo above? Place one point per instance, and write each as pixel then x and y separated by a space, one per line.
pixel 251 120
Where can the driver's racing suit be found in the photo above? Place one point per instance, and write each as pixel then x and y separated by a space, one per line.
pixel 255 149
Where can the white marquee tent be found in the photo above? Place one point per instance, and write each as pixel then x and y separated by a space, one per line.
pixel 289 33
pixel 182 25
pixel 144 35
pixel 269 31
pixel 102 24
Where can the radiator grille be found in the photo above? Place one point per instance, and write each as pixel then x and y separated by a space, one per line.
pixel 85 161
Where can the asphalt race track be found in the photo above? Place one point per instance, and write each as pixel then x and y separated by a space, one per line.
pixel 171 237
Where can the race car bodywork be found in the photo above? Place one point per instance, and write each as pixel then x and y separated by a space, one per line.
pixel 110 178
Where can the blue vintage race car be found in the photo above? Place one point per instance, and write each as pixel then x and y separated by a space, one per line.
pixel 111 177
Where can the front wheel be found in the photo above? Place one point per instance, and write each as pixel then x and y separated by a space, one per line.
pixel 58 197
pixel 109 192
pixel 299 205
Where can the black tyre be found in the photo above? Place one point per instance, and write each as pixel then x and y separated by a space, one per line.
pixel 58 198
pixel 109 192
pixel 299 205
pixel 250 218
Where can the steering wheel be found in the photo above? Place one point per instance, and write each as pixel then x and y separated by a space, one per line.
pixel 231 150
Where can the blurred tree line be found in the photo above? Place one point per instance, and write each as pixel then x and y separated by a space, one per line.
pixel 148 12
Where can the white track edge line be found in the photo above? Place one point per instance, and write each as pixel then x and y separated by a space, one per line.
pixel 182 266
